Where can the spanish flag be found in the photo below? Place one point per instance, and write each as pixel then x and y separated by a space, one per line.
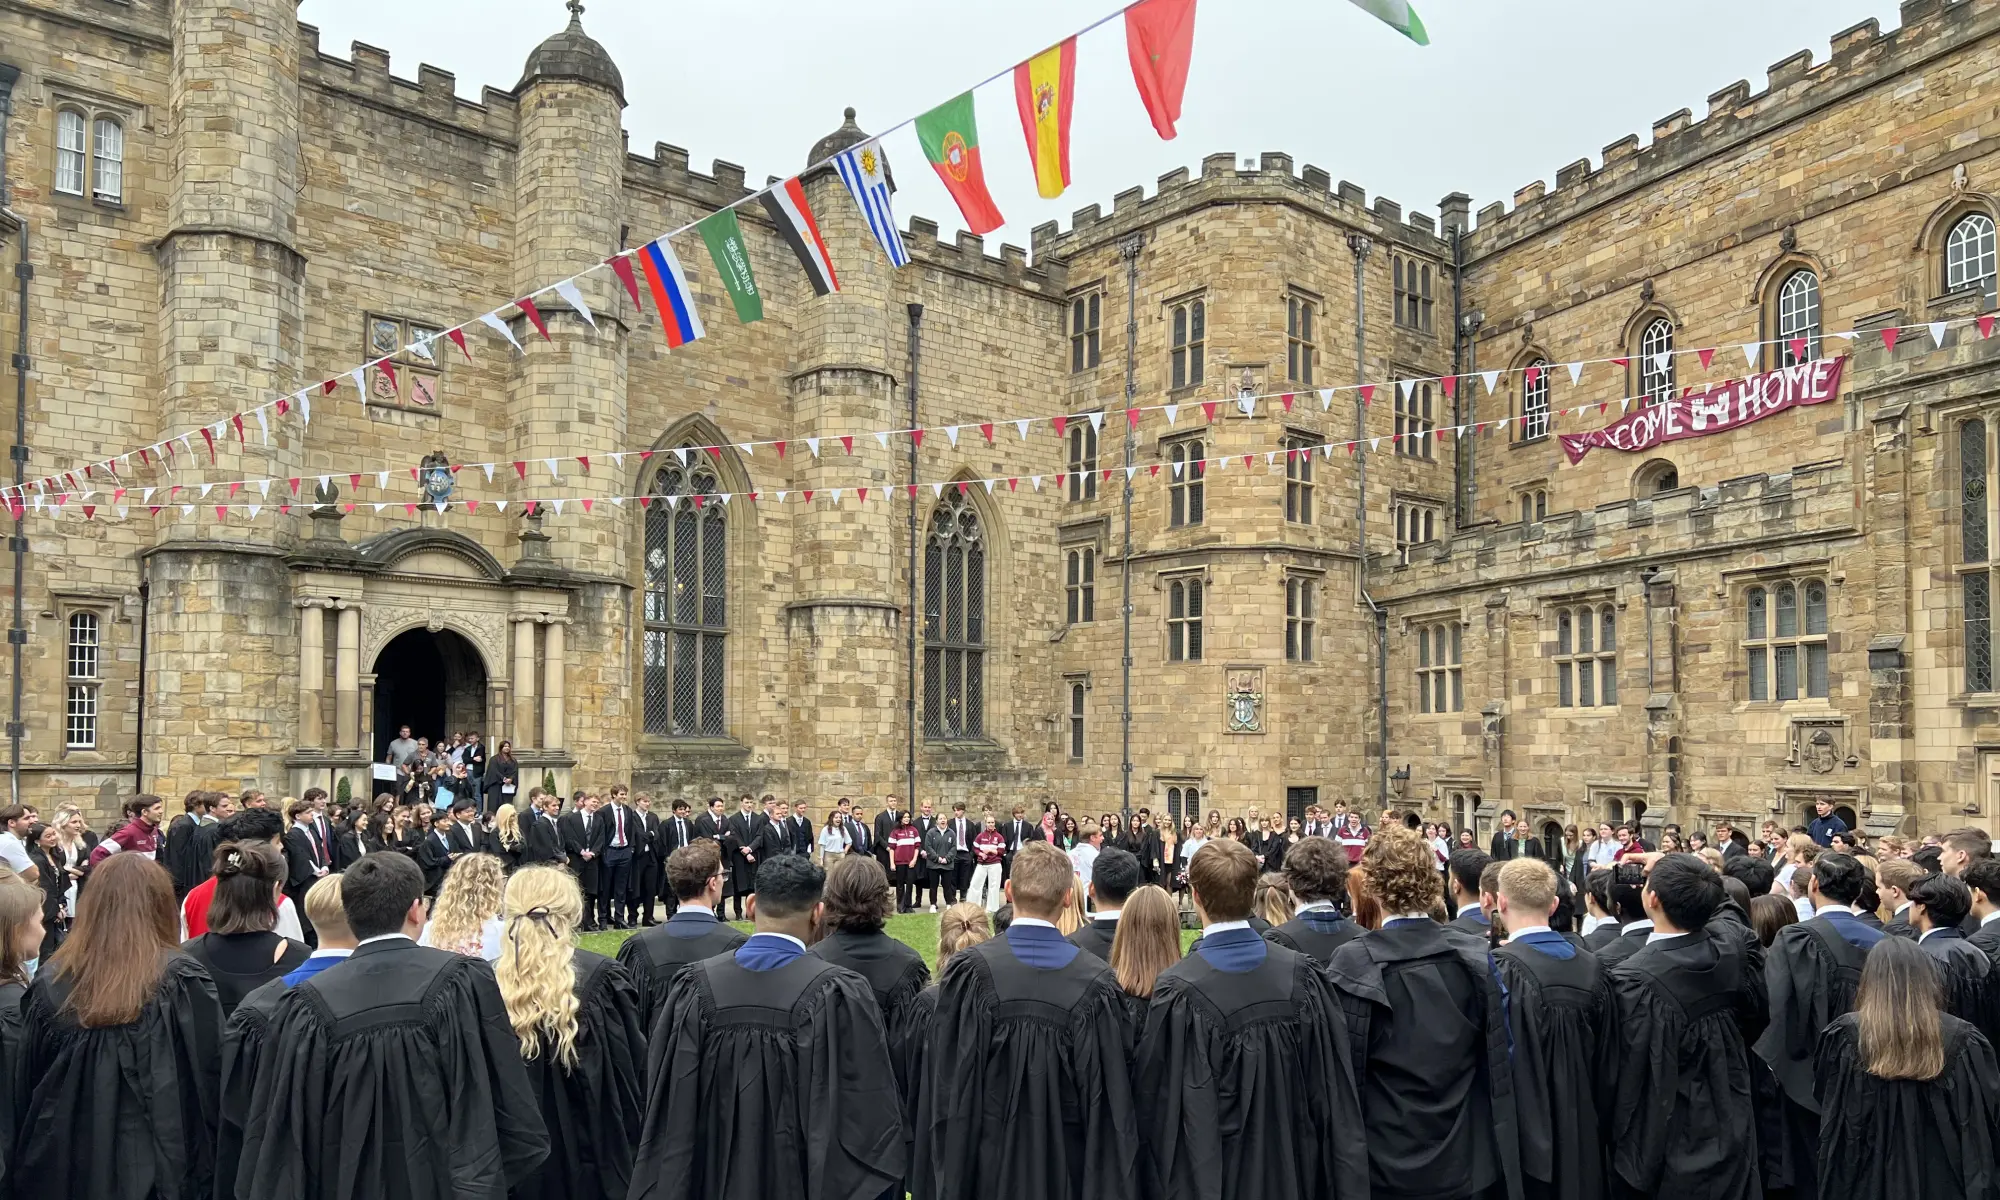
pixel 1045 89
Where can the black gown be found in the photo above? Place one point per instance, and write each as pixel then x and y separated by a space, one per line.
pixel 1900 1137
pixel 1970 988
pixel 896 974
pixel 1028 1087
pixel 769 1084
pixel 1682 1119
pixel 1811 972
pixel 1427 1032
pixel 1315 933
pixel 1244 1084
pixel 120 1113
pixel 391 1076
pixel 654 956
pixel 592 1109
pixel 1559 1015
pixel 243 1040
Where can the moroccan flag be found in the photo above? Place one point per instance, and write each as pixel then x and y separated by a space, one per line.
pixel 723 234
pixel 950 137
pixel 1159 39
pixel 1045 90
pixel 786 205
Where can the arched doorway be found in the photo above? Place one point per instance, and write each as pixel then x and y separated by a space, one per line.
pixel 434 682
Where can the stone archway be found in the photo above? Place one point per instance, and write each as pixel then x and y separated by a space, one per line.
pixel 434 681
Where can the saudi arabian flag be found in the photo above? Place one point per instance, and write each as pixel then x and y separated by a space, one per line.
pixel 724 236
pixel 1399 16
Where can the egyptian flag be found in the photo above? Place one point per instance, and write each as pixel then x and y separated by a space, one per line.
pixel 787 207
pixel 950 137
pixel 1159 39
pixel 1045 90
pixel 670 293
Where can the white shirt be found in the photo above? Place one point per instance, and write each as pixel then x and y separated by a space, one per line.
pixel 1032 921
pixel 1601 854
pixel 1846 908
pixel 1989 918
pixel 15 853
pixel 1224 927
pixel 1665 937
pixel 1313 904
pixel 1405 917
pixel 1926 933
pixel 1593 924
pixel 1804 906
pixel 788 937
pixel 1636 927
pixel 1525 932
pixel 1101 915
pixel 1467 908
pixel 1083 856
pixel 380 937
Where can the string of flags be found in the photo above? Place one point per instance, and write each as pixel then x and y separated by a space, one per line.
pixel 191 497
pixel 988 429
pixel 1160 41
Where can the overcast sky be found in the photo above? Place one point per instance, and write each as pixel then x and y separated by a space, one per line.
pixel 1508 90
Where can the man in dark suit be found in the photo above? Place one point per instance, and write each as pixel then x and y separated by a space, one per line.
pixel 1018 830
pixel 462 838
pixel 1893 880
pixel 474 758
pixel 780 837
pixel 1462 881
pixel 963 830
pixel 740 850
pixel 650 868
pixel 540 831
pixel 623 840
pixel 1513 841
pixel 1152 850
pixel 885 823
pixel 583 840
pixel 1983 877
pixel 434 852
pixel 305 862
pixel 860 832
pixel 1628 887
pixel 710 824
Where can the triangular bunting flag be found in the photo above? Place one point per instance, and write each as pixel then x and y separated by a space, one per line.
pixel 1986 326
pixel 1172 411
pixel 1023 427
pixel 1889 336
pixel 1208 410
pixel 951 434
pixel 1367 394
pixel 1707 356
pixel 882 437
pixel 567 290
pixel 1937 334
pixel 986 431
pixel 1325 399
pixel 812 444
pixel 1491 379
pixel 847 442
pixel 1097 422
pixel 1750 350
pixel 1662 362
pixel 1798 349
pixel 1575 372
pixel 527 306
pixel 492 321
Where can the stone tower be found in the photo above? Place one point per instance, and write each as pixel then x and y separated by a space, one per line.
pixel 568 393
pixel 846 634
pixel 230 328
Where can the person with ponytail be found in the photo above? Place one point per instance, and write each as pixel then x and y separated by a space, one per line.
pixel 115 1081
pixel 1909 1095
pixel 577 1015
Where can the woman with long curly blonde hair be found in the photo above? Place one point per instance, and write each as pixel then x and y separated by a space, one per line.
pixel 466 918
pixel 508 840
pixel 577 1015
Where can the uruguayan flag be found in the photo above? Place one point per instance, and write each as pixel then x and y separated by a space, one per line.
pixel 862 170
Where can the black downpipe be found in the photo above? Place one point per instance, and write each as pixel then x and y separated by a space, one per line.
pixel 17 633
pixel 139 743
pixel 910 680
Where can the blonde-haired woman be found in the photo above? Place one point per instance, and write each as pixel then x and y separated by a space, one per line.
pixel 1072 917
pixel 466 917
pixel 960 927
pixel 508 841
pixel 577 1015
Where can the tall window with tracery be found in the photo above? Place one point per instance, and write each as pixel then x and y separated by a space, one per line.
pixel 1440 675
pixel 1301 617
pixel 1970 260
pixel 1416 420
pixel 1656 361
pixel 1076 708
pixel 1798 318
pixel 1085 314
pixel 955 622
pixel 687 602
pixel 1975 554
pixel 1535 400
pixel 1082 459
pixel 1187 363
pixel 1587 656
pixel 1184 619
pixel 1299 480
pixel 1186 489
pixel 1081 585
pixel 1785 640
pixel 1299 346
pixel 81 666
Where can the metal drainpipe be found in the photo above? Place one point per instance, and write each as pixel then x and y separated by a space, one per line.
pixel 139 743
pixel 1130 250
pixel 910 664
pixel 1461 486
pixel 17 633
pixel 1360 244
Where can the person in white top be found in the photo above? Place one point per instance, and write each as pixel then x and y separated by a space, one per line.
pixel 18 819
pixel 1083 856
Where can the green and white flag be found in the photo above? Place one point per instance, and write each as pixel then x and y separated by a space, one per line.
pixel 1399 16
pixel 724 237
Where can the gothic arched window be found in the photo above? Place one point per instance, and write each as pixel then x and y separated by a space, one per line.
pixel 1656 362
pixel 955 622
pixel 686 601
pixel 1970 260
pixel 1798 317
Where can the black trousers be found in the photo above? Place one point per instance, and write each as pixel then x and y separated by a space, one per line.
pixel 614 886
pixel 646 880
pixel 961 876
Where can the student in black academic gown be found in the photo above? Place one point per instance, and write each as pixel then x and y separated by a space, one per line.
pixel 654 956
pixel 1114 876
pixel 1427 1032
pixel 115 998
pixel 1462 872
pixel 1243 1076
pixel 741 834
pixel 1893 879
pixel 1559 1017
pixel 241 949
pixel 795 1047
pixel 1938 906
pixel 1686 1008
pixel 577 1015
pixel 1628 904
pixel 1909 1096
pixel 433 1098
pixel 541 832
pixel 858 904
pixel 1316 873
pixel 1811 971
pixel 585 835
pixel 1983 879
pixel 1033 1030
pixel 178 852
pixel 1597 907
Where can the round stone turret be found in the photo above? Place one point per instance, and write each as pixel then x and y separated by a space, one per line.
pixel 847 136
pixel 574 54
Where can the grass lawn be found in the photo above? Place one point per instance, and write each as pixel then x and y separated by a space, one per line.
pixel 917 930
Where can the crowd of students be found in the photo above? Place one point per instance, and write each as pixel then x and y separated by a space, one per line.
pixel 1339 1029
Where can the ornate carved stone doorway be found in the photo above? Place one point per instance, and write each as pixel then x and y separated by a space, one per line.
pixel 432 681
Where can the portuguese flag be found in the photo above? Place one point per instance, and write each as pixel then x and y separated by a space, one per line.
pixel 1045 90
pixel 950 137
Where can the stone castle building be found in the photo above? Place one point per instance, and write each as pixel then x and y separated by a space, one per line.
pixel 218 211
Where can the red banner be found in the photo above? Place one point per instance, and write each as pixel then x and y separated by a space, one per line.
pixel 1716 409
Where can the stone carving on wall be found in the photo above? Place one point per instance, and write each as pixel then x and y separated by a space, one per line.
pixel 1819 744
pixel 1246 699
pixel 382 620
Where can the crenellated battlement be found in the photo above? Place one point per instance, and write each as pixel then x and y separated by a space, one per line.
pixel 1814 499
pixel 669 171
pixel 1271 178
pixel 967 256
pixel 432 96
pixel 1861 57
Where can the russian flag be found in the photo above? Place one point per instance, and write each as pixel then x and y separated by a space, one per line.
pixel 670 293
